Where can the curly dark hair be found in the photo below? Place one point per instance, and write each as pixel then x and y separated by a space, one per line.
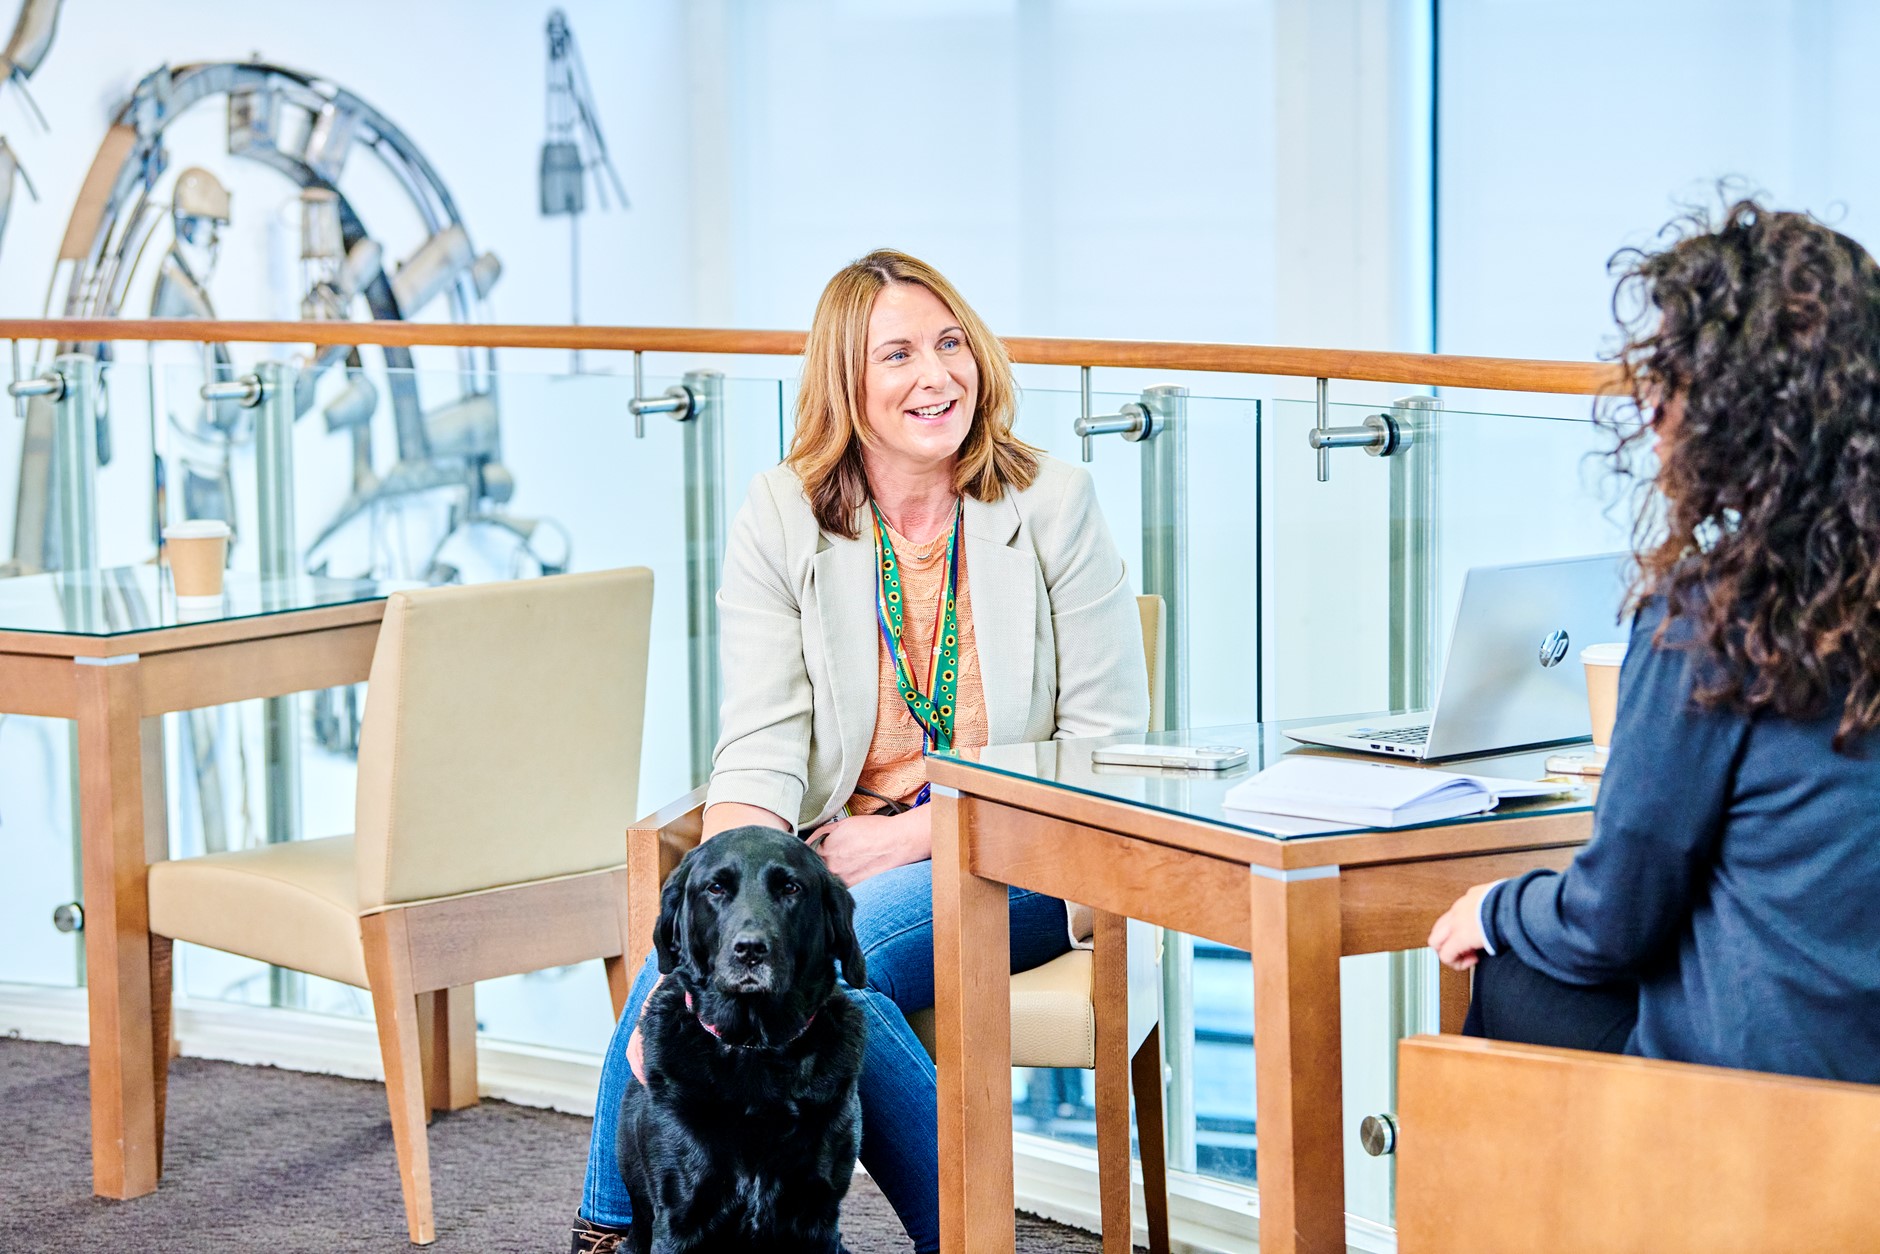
pixel 1752 351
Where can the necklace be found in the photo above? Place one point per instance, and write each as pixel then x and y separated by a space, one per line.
pixel 921 552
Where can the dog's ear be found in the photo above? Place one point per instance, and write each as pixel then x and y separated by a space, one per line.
pixel 839 931
pixel 670 933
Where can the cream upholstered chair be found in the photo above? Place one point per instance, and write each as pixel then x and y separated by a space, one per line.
pixel 498 764
pixel 1096 1008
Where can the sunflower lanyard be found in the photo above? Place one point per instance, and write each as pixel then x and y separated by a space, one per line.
pixel 933 712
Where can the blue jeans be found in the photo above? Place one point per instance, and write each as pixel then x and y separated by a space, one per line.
pixel 900 1126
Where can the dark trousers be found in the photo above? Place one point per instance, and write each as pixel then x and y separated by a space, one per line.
pixel 1512 1001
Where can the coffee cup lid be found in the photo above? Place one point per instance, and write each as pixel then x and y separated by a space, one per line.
pixel 197 529
pixel 1604 654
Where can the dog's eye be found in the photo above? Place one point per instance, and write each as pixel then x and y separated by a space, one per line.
pixel 789 888
pixel 715 889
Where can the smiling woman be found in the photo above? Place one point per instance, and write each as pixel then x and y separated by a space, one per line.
pixel 894 326
pixel 921 384
pixel 914 577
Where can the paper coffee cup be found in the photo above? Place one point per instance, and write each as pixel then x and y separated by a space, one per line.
pixel 197 551
pixel 1602 663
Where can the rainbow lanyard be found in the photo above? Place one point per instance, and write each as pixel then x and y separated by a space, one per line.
pixel 934 713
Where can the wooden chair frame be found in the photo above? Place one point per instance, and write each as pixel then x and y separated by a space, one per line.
pixel 1521 1147
pixel 422 965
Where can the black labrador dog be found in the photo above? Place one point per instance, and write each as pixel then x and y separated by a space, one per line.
pixel 745 1133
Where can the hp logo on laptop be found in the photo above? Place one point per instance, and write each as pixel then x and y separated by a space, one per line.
pixel 1554 648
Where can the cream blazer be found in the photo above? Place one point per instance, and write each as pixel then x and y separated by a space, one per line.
pixel 1054 620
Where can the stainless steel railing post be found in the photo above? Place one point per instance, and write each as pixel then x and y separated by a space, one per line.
pixel 279 560
pixel 1415 598
pixel 1165 535
pixel 703 423
pixel 274 471
pixel 75 458
pixel 1164 452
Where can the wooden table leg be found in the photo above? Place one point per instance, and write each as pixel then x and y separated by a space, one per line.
pixel 973 1026
pixel 163 1045
pixel 111 769
pixel 1453 988
pixel 1109 1000
pixel 1296 1045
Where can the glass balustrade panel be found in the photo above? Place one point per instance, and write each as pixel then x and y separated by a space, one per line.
pixel 1520 488
pixel 634 501
pixel 38 781
pixel 555 480
pixel 38 815
pixel 1183 507
pixel 1288 598
pixel 1364 576
pixel 1045 420
pixel 1347 561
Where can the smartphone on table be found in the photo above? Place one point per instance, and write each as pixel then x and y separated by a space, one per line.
pixel 1187 757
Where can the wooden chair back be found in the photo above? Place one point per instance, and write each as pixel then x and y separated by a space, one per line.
pixel 1518 1147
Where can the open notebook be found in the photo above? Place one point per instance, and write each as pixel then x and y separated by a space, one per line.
pixel 1370 794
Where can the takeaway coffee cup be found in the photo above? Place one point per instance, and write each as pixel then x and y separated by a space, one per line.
pixel 198 550
pixel 1602 689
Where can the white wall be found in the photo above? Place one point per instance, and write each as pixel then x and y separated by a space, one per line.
pixel 1571 128
pixel 1090 169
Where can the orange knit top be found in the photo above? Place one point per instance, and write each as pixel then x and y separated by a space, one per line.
pixel 895 766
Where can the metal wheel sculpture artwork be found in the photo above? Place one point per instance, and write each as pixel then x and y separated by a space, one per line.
pixel 31 40
pixel 309 130
pixel 447 462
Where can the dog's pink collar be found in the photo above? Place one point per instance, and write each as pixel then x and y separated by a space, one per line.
pixel 733 1044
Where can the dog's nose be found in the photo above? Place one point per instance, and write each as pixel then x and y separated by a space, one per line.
pixel 750 950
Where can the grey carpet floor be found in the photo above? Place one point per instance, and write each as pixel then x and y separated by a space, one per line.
pixel 261 1159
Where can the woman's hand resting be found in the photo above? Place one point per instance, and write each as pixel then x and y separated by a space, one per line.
pixel 1457 936
pixel 869 844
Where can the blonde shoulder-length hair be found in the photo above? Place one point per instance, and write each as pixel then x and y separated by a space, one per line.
pixel 831 427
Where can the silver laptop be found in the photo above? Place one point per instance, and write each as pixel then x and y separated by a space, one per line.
pixel 1513 676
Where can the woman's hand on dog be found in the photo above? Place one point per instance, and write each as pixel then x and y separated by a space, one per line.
pixel 636 1052
pixel 868 844
pixel 636 1055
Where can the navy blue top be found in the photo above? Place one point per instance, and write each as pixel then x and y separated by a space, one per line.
pixel 1734 871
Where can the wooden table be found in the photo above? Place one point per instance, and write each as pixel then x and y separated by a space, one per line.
pixel 109 650
pixel 1161 847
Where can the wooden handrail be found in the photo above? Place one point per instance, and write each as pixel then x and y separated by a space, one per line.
pixel 1416 369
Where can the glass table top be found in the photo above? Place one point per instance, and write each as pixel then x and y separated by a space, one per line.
pixel 124 600
pixel 1201 795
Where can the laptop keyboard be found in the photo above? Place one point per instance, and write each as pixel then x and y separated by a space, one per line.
pixel 1397 735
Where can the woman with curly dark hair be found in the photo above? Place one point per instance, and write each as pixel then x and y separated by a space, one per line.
pixel 1727 909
